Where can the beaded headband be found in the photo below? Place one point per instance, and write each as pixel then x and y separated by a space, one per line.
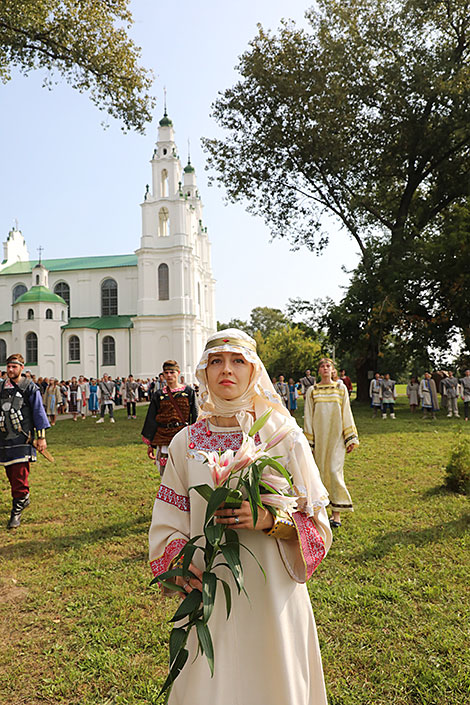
pixel 239 342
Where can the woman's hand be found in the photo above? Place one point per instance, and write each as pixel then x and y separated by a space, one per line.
pixel 151 452
pixel 188 583
pixel 242 518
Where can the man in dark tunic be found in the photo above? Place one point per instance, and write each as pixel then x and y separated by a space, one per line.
pixel 22 417
pixel 170 409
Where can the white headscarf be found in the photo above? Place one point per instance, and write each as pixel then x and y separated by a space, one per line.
pixel 258 397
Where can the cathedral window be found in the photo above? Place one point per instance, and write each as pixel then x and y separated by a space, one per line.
pixel 49 313
pixel 109 350
pixel 163 282
pixel 62 289
pixel 109 298
pixel 164 151
pixel 18 291
pixel 74 348
pixel 31 349
pixel 30 314
pixel 3 351
pixel 164 222
pixel 164 182
pixel 37 279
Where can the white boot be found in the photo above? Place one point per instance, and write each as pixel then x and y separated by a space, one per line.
pixel 392 416
pixel 384 416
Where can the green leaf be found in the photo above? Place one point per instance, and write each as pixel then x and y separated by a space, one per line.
pixel 204 490
pixel 280 468
pixel 214 533
pixel 189 604
pixel 259 423
pixel 233 499
pixel 170 585
pixel 205 642
pixel 228 596
pixel 188 554
pixel 253 504
pixel 209 586
pixel 217 498
pixel 232 557
pixel 175 670
pixel 178 638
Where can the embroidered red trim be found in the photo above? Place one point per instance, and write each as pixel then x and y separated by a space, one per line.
pixel 161 565
pixel 200 439
pixel 311 543
pixel 166 494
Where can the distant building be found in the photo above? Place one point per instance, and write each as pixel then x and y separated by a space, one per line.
pixel 118 314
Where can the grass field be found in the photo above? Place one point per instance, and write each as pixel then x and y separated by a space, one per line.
pixel 79 624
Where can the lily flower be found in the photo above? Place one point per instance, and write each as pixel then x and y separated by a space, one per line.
pixel 277 437
pixel 277 482
pixel 247 454
pixel 280 501
pixel 220 465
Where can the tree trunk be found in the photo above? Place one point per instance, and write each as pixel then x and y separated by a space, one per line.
pixel 363 367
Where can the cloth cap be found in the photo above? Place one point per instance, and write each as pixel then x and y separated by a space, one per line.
pixel 15 358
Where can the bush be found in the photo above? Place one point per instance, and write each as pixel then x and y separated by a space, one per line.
pixel 458 468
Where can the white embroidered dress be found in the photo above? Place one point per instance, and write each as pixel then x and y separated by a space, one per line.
pixel 267 651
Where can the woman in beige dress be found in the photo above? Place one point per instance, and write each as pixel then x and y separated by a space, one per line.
pixel 267 651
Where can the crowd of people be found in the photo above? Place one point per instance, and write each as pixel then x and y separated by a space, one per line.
pixel 422 393
pixel 290 391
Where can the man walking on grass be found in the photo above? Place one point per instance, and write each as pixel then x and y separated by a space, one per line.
pixel 107 392
pixel 22 418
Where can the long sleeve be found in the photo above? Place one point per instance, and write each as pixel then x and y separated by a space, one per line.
pixel 150 425
pixel 170 527
pixel 349 427
pixel 193 410
pixel 308 416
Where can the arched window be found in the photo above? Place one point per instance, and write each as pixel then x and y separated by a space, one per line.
pixel 163 222
pixel 48 313
pixel 62 315
pixel 109 350
pixel 3 351
pixel 74 348
pixel 30 314
pixel 17 315
pixel 163 283
pixel 62 289
pixel 18 291
pixel 31 349
pixel 164 182
pixel 109 298
pixel 37 279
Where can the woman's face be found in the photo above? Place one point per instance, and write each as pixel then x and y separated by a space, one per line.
pixel 325 369
pixel 228 374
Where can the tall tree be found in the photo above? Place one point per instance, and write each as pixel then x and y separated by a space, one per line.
pixel 87 43
pixel 365 116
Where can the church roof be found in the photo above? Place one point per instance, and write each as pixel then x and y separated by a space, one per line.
pixel 100 322
pixel 71 263
pixel 39 293
pixel 5 327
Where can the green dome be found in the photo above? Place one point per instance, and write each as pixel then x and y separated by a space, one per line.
pixel 40 293
pixel 165 121
pixel 189 169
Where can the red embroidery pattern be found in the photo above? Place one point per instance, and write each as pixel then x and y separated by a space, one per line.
pixel 166 494
pixel 218 440
pixel 162 564
pixel 311 543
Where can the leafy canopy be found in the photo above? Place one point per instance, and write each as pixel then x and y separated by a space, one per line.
pixel 86 43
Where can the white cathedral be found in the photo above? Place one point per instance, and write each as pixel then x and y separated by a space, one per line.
pixel 119 314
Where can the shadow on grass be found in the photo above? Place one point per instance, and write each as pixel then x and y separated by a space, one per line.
pixel 387 542
pixel 64 543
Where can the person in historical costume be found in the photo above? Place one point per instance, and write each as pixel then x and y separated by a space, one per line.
pixel 412 392
pixel 64 392
pixel 82 398
pixel 282 388
pixel 375 393
pixel 465 392
pixel 73 397
pixel 389 396
pixel 107 390
pixel 52 398
pixel 330 429
pixel 450 387
pixel 130 395
pixel 428 396
pixel 93 403
pixel 346 381
pixel 170 409
pixel 307 381
pixel 23 424
pixel 267 651
pixel 293 394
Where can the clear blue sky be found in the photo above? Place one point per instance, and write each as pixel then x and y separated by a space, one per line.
pixel 75 188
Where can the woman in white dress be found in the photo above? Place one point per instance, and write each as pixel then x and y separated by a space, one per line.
pixel 267 651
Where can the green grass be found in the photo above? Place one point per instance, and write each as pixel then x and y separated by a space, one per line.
pixel 79 624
